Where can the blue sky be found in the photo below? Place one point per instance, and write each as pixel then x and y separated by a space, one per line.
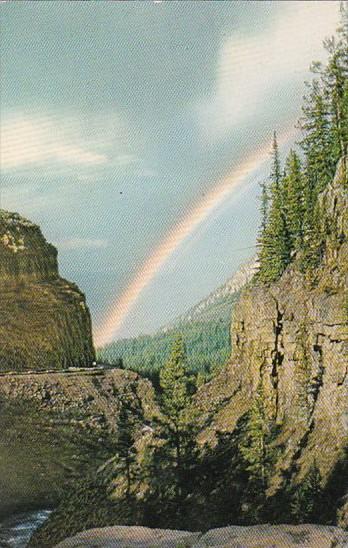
pixel 116 117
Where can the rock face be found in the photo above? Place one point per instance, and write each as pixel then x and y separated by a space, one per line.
pixel 259 536
pixel 57 426
pixel 30 287
pixel 291 339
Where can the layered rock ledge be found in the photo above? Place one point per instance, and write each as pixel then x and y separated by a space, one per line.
pixel 59 334
pixel 56 426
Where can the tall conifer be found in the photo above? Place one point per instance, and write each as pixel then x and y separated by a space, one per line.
pixel 275 249
pixel 294 199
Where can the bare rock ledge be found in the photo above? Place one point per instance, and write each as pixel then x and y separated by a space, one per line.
pixel 257 536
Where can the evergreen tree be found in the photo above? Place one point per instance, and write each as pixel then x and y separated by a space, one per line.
pixel 258 454
pixel 317 136
pixel 255 447
pixel 174 383
pixel 293 215
pixel 125 450
pixel 174 455
pixel 264 206
pixel 275 249
pixel 335 78
pixel 307 500
pixel 294 199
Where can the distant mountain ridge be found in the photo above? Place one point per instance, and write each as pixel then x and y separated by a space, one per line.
pixel 216 304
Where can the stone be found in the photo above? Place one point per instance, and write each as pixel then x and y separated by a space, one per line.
pixel 275 536
pixel 257 536
pixel 59 335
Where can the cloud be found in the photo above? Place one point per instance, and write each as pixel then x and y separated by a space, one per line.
pixel 82 243
pixel 38 141
pixel 249 67
pixel 58 142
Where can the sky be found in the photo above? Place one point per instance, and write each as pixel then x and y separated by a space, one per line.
pixel 136 135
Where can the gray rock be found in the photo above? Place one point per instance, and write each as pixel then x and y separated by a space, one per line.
pixel 275 536
pixel 131 537
pixel 257 536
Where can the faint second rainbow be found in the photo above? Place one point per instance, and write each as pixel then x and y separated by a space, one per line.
pixel 122 306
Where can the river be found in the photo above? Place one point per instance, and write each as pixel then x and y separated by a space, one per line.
pixel 16 531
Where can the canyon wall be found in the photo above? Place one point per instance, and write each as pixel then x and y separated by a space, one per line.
pixel 56 427
pixel 59 331
pixel 290 343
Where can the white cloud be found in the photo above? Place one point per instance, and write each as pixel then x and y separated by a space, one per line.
pixel 55 143
pixel 249 66
pixel 38 141
pixel 82 243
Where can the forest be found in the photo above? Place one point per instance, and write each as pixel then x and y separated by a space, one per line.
pixel 207 346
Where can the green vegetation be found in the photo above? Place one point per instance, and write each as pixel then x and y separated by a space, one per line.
pixel 174 452
pixel 289 201
pixel 307 500
pixel 258 454
pixel 125 452
pixel 207 343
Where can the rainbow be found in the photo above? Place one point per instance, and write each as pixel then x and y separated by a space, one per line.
pixel 153 264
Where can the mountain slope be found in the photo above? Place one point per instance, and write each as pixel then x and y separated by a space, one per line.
pixel 217 306
pixel 205 329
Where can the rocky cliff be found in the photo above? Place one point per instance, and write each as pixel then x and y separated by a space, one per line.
pixel 290 340
pixel 56 426
pixel 30 287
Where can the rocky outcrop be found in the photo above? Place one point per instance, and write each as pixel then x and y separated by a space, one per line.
pixel 291 339
pixel 59 334
pixel 259 536
pixel 57 426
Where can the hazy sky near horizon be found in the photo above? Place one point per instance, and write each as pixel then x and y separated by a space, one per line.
pixel 118 117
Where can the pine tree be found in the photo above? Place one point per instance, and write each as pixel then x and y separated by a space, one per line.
pixel 174 383
pixel 293 215
pixel 335 78
pixel 258 455
pixel 178 424
pixel 125 450
pixel 175 453
pixel 294 199
pixel 317 136
pixel 256 448
pixel 307 500
pixel 275 251
pixel 264 206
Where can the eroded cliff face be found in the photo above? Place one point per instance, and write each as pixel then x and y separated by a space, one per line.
pixel 31 290
pixel 291 339
pixel 56 427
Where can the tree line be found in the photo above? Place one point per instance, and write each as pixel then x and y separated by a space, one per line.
pixel 290 216
pixel 207 344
